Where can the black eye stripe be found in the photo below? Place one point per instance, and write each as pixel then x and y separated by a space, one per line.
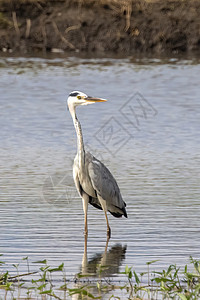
pixel 73 94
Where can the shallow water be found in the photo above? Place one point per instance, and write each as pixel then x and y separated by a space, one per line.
pixel 148 136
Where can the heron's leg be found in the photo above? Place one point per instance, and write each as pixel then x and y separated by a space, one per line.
pixel 106 247
pixel 104 207
pixel 84 259
pixel 103 261
pixel 85 200
pixel 108 227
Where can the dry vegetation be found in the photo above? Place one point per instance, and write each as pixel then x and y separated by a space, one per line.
pixel 100 27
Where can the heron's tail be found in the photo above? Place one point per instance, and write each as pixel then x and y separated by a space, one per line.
pixel 121 212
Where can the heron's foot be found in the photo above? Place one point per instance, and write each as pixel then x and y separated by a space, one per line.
pixel 108 232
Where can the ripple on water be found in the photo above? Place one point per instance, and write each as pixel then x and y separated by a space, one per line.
pixel 157 168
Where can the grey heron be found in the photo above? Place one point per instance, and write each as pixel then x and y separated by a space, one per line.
pixel 94 182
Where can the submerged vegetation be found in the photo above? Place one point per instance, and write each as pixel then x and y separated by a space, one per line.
pixel 52 283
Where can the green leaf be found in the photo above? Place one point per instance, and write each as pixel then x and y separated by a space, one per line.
pixel 152 262
pixel 38 280
pixel 158 273
pixel 130 274
pixel 193 275
pixel 176 272
pixel 44 268
pixel 76 290
pixel 170 268
pixel 182 296
pixel 40 262
pixel 197 288
pixel 137 280
pixel 127 269
pixel 6 286
pixel 186 268
pixel 21 284
pixel 46 292
pixel 161 279
pixel 41 287
pixel 63 287
pixel 143 273
pixel 86 293
pixel 59 268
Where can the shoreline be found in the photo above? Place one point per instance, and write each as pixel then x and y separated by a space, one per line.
pixel 100 29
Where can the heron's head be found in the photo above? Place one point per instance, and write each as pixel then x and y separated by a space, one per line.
pixel 78 98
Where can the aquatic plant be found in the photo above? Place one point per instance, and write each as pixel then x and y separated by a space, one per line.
pixel 52 283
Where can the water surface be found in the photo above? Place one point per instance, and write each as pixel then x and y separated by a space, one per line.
pixel 148 136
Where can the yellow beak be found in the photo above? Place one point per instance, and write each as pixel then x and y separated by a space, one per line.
pixel 92 99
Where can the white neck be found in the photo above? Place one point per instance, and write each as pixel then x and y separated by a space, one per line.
pixel 77 125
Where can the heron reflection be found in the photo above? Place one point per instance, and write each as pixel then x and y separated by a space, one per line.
pixel 101 265
pixel 108 262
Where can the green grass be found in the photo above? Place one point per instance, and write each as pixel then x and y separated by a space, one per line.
pixel 172 283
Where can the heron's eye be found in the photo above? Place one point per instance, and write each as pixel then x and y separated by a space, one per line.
pixel 79 97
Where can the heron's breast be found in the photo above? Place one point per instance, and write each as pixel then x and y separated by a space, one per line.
pixel 87 185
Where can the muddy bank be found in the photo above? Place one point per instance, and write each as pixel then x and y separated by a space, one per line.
pixel 99 27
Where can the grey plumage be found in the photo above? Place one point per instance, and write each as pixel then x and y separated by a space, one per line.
pixel 94 182
pixel 99 182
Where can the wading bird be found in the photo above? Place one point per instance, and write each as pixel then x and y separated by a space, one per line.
pixel 93 180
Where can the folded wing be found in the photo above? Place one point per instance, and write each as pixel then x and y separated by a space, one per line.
pixel 106 187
